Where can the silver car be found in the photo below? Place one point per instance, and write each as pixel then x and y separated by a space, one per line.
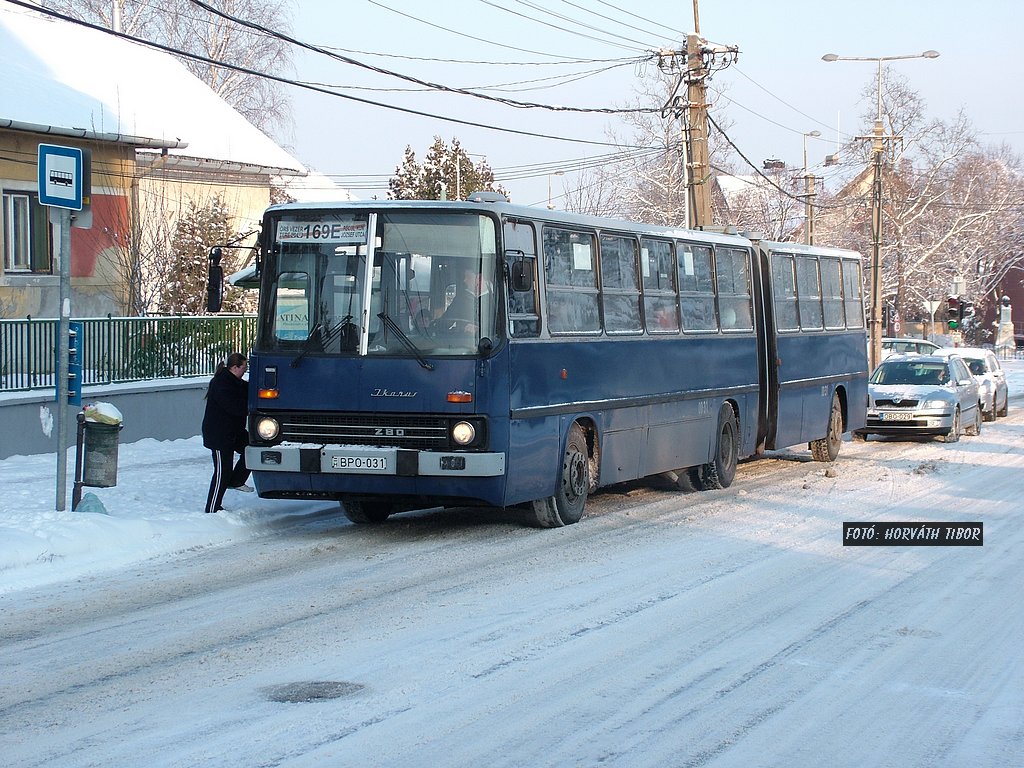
pixel 984 366
pixel 923 395
pixel 907 346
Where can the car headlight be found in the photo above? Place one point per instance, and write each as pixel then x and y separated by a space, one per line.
pixel 936 404
pixel 267 428
pixel 463 433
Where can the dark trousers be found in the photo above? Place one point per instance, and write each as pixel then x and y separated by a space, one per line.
pixel 224 477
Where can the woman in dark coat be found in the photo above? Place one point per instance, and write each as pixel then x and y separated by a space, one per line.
pixel 227 402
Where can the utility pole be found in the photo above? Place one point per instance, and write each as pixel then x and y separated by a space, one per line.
pixel 700 57
pixel 698 165
pixel 878 140
pixel 809 194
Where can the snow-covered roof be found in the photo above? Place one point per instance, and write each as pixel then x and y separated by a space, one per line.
pixel 65 79
pixel 314 187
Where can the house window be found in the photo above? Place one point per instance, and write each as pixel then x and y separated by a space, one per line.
pixel 26 234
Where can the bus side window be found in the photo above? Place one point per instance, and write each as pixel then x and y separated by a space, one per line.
pixel 520 254
pixel 661 306
pixel 784 292
pixel 620 290
pixel 832 293
pixel 852 298
pixel 809 293
pixel 696 288
pixel 571 278
pixel 732 269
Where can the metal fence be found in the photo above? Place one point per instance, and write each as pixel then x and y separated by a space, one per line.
pixel 117 349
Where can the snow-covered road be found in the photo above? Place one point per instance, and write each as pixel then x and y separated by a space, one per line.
pixel 729 628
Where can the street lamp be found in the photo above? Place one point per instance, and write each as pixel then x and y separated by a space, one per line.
pixel 878 140
pixel 551 206
pixel 808 194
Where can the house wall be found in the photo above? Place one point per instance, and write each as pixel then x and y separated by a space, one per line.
pixel 166 194
pixel 96 283
pixel 158 189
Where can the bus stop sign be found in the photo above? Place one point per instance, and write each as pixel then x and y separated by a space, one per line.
pixel 61 175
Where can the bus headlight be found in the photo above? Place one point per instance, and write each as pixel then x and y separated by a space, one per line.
pixel 463 433
pixel 267 428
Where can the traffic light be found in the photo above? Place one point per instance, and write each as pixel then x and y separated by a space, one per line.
pixel 954 312
pixel 75 363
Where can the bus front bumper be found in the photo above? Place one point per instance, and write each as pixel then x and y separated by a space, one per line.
pixel 369 460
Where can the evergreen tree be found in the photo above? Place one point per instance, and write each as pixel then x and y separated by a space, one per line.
pixel 203 227
pixel 446 173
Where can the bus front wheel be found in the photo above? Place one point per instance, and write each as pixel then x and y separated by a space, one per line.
pixel 366 512
pixel 566 506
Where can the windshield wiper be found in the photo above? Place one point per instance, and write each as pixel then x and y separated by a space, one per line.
pixel 307 344
pixel 406 341
pixel 329 334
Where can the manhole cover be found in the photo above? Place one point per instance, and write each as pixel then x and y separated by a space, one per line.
pixel 315 690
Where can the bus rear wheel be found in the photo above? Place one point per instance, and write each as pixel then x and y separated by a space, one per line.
pixel 366 512
pixel 566 506
pixel 827 448
pixel 721 470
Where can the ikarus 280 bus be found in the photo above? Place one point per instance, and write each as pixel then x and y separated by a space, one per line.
pixel 417 354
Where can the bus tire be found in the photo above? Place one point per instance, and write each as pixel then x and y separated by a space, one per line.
pixel 366 512
pixel 686 479
pixel 566 506
pixel 827 448
pixel 721 470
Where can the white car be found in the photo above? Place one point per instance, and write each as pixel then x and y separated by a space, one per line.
pixel 992 389
pixel 907 346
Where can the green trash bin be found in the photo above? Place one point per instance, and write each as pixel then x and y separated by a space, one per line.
pixel 99 464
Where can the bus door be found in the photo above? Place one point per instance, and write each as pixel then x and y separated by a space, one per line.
pixel 767 358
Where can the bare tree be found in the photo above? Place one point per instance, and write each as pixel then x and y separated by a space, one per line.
pixel 185 26
pixel 948 204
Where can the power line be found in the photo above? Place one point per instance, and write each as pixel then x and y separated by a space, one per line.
pixel 760 173
pixel 635 16
pixel 563 29
pixel 305 86
pixel 391 73
pixel 463 34
pixel 549 12
pixel 621 23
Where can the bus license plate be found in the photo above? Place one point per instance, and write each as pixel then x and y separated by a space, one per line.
pixel 897 416
pixel 360 463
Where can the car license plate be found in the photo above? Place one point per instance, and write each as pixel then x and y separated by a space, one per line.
pixel 360 463
pixel 896 416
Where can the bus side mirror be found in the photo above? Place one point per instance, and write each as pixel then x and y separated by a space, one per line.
pixel 215 282
pixel 521 271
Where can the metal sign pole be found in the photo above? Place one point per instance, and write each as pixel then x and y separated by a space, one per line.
pixel 63 216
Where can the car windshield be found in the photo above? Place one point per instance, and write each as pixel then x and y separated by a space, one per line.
pixel 906 372
pixel 977 366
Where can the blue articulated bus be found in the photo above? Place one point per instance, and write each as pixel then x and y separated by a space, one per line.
pixel 425 353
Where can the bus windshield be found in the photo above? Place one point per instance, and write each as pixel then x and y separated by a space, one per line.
pixel 430 289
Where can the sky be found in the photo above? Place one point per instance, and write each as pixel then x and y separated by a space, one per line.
pixel 778 90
